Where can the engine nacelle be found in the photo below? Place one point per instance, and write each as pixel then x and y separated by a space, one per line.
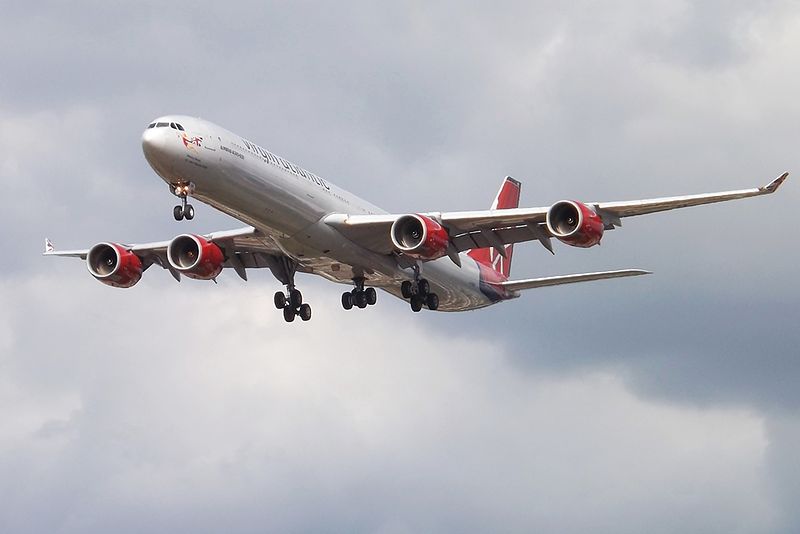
pixel 420 237
pixel 575 224
pixel 114 265
pixel 195 257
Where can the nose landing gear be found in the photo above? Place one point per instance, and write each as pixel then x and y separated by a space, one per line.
pixel 359 296
pixel 184 210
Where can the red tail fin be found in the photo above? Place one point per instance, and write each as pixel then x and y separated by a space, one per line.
pixel 507 197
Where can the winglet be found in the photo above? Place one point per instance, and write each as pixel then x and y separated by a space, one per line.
pixel 48 245
pixel 775 184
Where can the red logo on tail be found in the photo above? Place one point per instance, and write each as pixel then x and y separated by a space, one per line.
pixel 507 197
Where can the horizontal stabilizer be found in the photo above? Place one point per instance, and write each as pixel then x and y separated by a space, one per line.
pixel 517 285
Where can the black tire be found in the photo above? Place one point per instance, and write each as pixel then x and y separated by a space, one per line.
pixel 305 312
pixel 423 287
pixel 280 300
pixel 405 289
pixel 432 301
pixel 360 299
pixel 189 212
pixel 372 296
pixel 288 314
pixel 347 301
pixel 296 298
pixel 416 303
pixel 177 212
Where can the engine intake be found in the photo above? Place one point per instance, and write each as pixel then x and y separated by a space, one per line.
pixel 575 224
pixel 420 237
pixel 114 265
pixel 195 256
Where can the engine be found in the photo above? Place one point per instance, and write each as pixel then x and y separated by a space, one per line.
pixel 195 257
pixel 114 265
pixel 420 237
pixel 575 224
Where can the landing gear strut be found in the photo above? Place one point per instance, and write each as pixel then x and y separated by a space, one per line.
pixel 291 302
pixel 419 293
pixel 359 296
pixel 184 210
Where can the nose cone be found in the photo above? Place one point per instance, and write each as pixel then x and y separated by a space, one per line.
pixel 153 144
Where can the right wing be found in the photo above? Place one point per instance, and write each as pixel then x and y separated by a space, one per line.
pixel 533 283
pixel 499 227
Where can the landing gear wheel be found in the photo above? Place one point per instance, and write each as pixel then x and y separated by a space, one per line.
pixel 423 287
pixel 416 303
pixel 347 301
pixel 372 295
pixel 280 300
pixel 288 314
pixel 188 212
pixel 295 298
pixel 304 312
pixel 405 289
pixel 360 299
pixel 432 301
pixel 177 212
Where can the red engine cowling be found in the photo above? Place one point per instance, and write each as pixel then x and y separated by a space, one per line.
pixel 575 224
pixel 420 237
pixel 195 256
pixel 114 265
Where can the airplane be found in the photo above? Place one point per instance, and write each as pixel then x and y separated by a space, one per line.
pixel 299 222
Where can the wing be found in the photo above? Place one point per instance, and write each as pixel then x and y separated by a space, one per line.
pixel 496 228
pixel 245 248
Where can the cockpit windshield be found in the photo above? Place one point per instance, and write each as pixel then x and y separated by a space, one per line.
pixel 173 125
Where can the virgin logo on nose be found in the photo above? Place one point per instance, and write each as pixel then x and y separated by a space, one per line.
pixel 191 143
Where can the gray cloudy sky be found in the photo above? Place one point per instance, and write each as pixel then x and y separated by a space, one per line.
pixel 662 404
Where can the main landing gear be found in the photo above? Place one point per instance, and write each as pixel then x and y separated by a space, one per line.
pixel 359 296
pixel 419 293
pixel 291 302
pixel 292 305
pixel 185 210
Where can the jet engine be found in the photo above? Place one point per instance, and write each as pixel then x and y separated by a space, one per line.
pixel 420 237
pixel 114 265
pixel 196 257
pixel 575 224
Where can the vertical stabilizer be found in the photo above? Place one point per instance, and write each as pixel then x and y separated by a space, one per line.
pixel 507 197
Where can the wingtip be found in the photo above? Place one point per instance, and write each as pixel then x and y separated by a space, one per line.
pixel 775 184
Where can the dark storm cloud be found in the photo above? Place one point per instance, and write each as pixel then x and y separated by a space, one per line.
pixel 415 107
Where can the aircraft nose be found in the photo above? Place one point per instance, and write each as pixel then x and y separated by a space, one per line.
pixel 152 143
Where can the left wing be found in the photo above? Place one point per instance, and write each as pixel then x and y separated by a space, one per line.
pixel 244 248
pixel 499 227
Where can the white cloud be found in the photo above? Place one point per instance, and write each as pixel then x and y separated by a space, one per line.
pixel 208 412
